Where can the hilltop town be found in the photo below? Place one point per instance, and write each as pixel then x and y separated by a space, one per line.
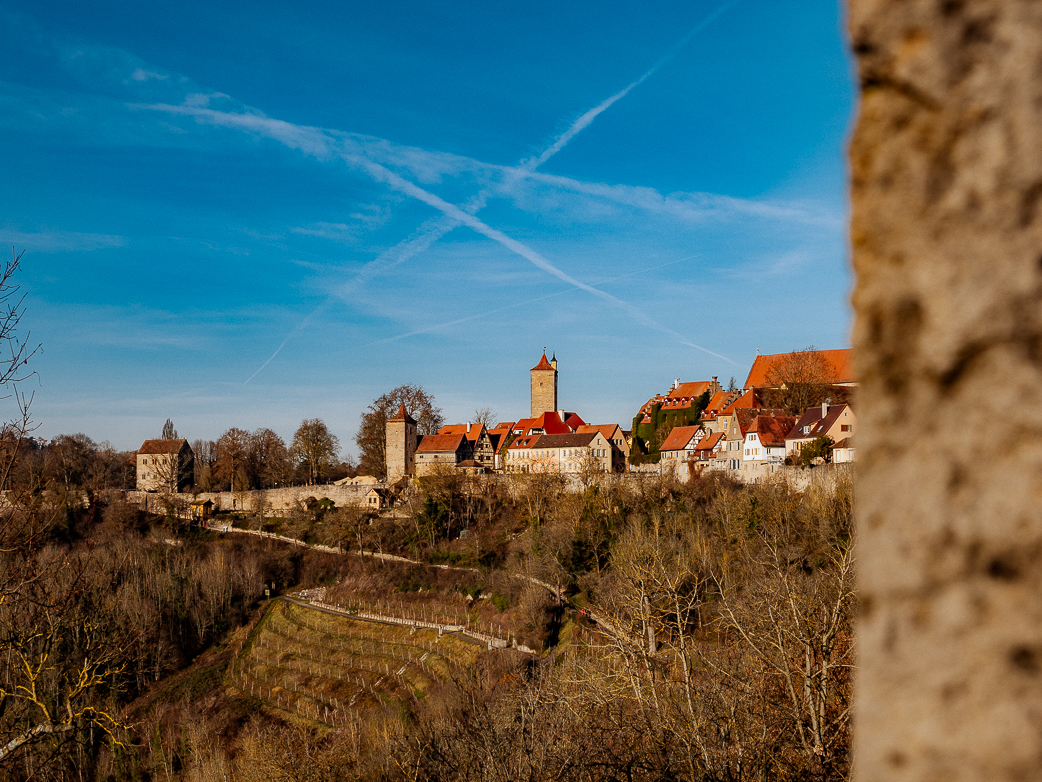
pixel 793 411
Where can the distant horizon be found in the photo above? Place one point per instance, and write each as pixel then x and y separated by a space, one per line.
pixel 247 220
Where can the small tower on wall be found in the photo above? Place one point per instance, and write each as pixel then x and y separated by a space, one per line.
pixel 400 445
pixel 544 386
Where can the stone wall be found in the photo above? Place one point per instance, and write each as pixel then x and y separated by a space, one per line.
pixel 947 246
pixel 277 500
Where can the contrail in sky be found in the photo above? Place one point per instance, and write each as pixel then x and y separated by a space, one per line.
pixel 453 216
pixel 413 246
pixel 576 127
pixel 515 305
pixel 383 174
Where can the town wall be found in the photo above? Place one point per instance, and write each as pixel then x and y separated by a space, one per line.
pixel 276 500
pixel 946 232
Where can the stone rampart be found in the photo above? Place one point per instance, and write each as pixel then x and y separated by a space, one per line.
pixel 274 500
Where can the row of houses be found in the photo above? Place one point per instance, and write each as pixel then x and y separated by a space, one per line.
pixel 718 429
pixel 706 427
pixel 549 439
pixel 736 438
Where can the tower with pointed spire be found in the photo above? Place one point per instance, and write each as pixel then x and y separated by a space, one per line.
pixel 544 386
pixel 400 445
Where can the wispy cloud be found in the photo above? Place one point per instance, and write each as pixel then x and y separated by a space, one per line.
pixel 58 241
pixel 516 305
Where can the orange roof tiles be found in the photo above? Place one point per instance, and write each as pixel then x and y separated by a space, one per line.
pixel 771 430
pixel 717 402
pixel 839 362
pixel 710 441
pixel 745 401
pixel 690 390
pixel 679 437
pixel 606 429
pixel 474 434
pixel 401 415
pixel 543 364
pixel 440 443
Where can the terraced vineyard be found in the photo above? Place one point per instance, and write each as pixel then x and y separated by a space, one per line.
pixel 331 668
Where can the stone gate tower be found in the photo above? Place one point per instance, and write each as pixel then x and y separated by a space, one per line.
pixel 400 445
pixel 544 386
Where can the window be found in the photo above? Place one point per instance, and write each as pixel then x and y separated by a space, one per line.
pixel 844 428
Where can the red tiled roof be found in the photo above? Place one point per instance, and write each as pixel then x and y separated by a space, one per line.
pixel 606 429
pixel 771 430
pixel 678 438
pixel 474 434
pixel 440 443
pixel 745 417
pixel 550 423
pixel 716 403
pixel 161 446
pixel 528 441
pixel 839 362
pixel 543 364
pixel 690 390
pixel 745 401
pixel 401 415
pixel 710 441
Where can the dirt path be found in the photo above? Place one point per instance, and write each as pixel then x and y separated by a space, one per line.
pixel 597 619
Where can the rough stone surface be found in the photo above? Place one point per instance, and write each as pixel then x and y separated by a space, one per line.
pixel 273 500
pixel 947 246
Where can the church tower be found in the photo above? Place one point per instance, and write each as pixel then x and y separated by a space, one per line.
pixel 400 445
pixel 544 386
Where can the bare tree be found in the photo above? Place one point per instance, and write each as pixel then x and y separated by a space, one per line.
pixel 372 434
pixel 58 656
pixel 798 380
pixel 315 447
pixel 270 458
pixel 485 416
pixel 169 433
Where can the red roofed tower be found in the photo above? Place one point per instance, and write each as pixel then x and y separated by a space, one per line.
pixel 400 445
pixel 544 386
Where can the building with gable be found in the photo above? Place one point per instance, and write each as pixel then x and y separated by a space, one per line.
pixel 678 448
pixel 679 400
pixel 441 449
pixel 821 367
pixel 165 465
pixel 834 421
pixel 480 447
pixel 564 453
pixel 765 440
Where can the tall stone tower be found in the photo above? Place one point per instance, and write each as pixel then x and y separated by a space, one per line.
pixel 400 445
pixel 544 386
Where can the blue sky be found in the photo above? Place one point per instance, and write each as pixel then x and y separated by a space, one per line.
pixel 251 214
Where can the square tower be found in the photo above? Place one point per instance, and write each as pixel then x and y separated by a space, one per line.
pixel 544 386
pixel 400 445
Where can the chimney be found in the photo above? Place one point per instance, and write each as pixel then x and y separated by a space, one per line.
pixel 824 409
pixel 676 383
pixel 468 427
